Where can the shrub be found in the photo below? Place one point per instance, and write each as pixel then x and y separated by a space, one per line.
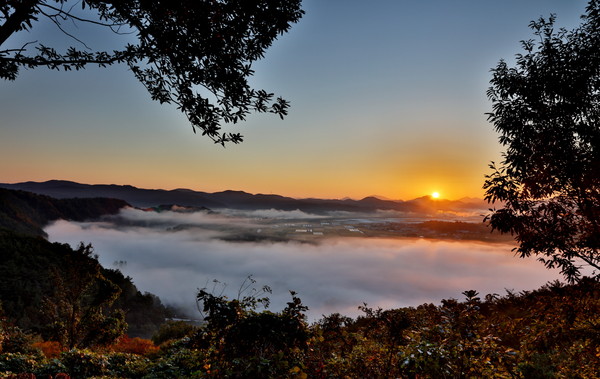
pixel 18 363
pixel 84 363
pixel 50 349
pixel 123 365
pixel 136 345
pixel 173 330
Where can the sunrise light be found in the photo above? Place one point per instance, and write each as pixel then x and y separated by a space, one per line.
pixel 435 195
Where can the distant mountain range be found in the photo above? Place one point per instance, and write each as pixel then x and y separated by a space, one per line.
pixel 240 200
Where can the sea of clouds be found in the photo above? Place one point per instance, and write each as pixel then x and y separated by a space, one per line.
pixel 333 275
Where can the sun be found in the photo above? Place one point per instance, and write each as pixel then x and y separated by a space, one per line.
pixel 435 195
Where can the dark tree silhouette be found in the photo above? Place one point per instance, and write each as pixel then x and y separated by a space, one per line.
pixel 197 54
pixel 547 110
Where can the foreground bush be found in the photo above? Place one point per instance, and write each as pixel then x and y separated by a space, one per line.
pixel 553 332
pixel 136 345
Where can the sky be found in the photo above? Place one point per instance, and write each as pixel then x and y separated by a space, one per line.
pixel 387 98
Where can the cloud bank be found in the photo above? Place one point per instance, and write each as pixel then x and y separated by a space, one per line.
pixel 335 275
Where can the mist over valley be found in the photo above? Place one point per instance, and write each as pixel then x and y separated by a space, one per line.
pixel 335 262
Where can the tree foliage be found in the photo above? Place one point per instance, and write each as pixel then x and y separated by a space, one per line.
pixel 552 332
pixel 246 343
pixel 78 310
pixel 547 110
pixel 197 54
pixel 65 295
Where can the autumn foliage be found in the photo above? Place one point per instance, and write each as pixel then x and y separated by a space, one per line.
pixel 50 349
pixel 134 345
pixel 552 332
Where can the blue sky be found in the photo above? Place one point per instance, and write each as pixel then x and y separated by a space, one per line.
pixel 388 98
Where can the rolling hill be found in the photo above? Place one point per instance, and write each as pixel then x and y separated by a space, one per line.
pixel 241 200
pixel 28 213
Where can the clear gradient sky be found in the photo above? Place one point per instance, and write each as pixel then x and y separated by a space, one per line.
pixel 388 98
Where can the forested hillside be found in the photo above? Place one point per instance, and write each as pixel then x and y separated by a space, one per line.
pixel 553 332
pixel 28 213
pixel 43 284
pixel 61 293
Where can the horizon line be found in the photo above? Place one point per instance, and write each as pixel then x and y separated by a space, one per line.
pixel 379 197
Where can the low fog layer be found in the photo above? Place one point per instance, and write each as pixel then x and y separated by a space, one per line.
pixel 333 275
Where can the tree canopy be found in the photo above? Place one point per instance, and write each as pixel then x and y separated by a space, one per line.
pixel 547 111
pixel 197 54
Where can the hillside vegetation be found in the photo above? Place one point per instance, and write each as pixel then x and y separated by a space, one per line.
pixel 53 290
pixel 28 213
pixel 553 332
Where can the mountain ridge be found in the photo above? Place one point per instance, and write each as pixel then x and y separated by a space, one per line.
pixel 28 213
pixel 236 199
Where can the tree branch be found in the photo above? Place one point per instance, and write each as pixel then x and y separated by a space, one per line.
pixel 59 26
pixel 66 14
pixel 22 13
pixel 40 61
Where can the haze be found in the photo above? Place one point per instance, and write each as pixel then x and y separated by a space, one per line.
pixel 330 274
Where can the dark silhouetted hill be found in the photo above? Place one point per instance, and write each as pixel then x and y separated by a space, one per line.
pixel 146 198
pixel 28 213
pixel 137 197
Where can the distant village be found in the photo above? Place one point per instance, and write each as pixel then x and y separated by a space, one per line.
pixel 432 229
